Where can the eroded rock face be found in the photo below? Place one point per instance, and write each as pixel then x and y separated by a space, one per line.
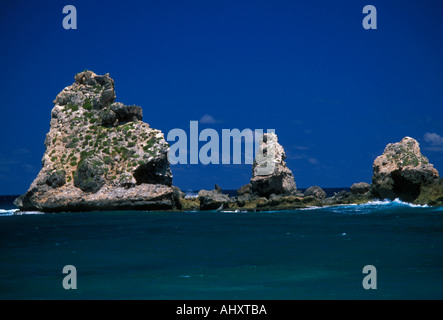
pixel 212 199
pixel 119 114
pixel 280 179
pixel 316 192
pixel 89 176
pixel 360 188
pixel 56 179
pixel 244 190
pixel 154 171
pixel 403 172
pixel 99 153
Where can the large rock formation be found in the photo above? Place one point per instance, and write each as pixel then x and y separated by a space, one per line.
pixel 270 175
pixel 403 172
pixel 100 155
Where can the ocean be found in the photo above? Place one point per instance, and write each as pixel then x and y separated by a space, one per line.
pixel 314 253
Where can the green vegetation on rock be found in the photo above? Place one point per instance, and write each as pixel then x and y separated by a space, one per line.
pixel 87 105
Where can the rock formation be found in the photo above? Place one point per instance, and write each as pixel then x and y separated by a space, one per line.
pixel 360 188
pixel 272 186
pixel 349 197
pixel 270 175
pixel 100 155
pixel 213 199
pixel 403 172
pixel 244 190
pixel 316 192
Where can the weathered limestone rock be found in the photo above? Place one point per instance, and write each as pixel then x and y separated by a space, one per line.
pixel 100 155
pixel 89 176
pixel 56 179
pixel 244 190
pixel 346 197
pixel 316 192
pixel 403 172
pixel 360 188
pixel 279 178
pixel 212 200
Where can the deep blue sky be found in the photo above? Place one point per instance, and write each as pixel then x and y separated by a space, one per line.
pixel 335 93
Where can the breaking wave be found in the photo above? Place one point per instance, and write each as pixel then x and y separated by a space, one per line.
pixel 11 212
pixel 379 206
pixel 7 212
pixel 371 207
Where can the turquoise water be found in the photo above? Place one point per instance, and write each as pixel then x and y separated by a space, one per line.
pixel 317 253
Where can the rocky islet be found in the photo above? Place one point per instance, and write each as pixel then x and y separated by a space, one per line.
pixel 403 172
pixel 100 155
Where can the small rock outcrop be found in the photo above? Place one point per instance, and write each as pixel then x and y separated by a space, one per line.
pixel 244 190
pixel 360 188
pixel 100 155
pixel 348 197
pixel 270 175
pixel 403 172
pixel 213 199
pixel 316 192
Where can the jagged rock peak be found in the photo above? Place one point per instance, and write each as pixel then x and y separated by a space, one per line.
pixel 96 89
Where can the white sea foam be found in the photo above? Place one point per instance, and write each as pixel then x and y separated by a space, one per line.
pixel 369 207
pixel 378 202
pixel 10 212
pixel 386 202
pixel 410 204
pixel 397 202
pixel 7 212
pixel 29 212
pixel 235 211
pixel 313 208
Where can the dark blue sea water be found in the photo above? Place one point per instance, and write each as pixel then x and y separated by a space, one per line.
pixel 316 253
